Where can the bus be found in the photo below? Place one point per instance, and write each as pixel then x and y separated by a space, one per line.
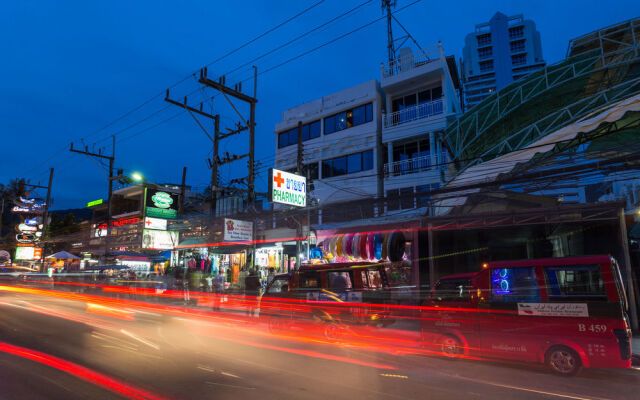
pixel 566 313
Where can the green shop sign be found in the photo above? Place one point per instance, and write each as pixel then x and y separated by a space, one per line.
pixel 161 204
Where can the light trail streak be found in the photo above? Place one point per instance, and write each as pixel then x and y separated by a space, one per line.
pixel 80 372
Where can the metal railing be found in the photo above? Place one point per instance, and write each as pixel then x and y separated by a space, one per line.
pixel 420 111
pixel 408 62
pixel 409 166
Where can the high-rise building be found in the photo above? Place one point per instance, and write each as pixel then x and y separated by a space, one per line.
pixel 497 53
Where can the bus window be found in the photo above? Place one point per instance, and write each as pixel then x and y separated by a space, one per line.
pixel 575 282
pixel 339 280
pixel 279 285
pixel 514 284
pixel 453 290
pixel 309 280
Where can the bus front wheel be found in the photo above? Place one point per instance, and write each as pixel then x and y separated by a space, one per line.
pixel 563 361
pixel 450 346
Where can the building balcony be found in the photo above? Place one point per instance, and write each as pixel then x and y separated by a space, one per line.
pixel 410 66
pixel 409 166
pixel 410 114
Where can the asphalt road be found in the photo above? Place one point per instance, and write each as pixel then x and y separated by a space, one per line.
pixel 154 354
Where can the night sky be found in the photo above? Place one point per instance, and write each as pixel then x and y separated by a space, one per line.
pixel 70 69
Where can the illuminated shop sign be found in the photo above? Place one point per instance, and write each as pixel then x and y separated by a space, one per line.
pixel 155 223
pixel 95 203
pixel 160 204
pixel 28 253
pixel 31 221
pixel 237 231
pixel 120 222
pixel 24 228
pixel 159 240
pixel 27 210
pixel 25 238
pixel 287 188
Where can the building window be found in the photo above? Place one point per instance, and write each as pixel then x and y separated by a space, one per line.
pixel 411 100
pixel 516 32
pixel 485 52
pixel 406 198
pixel 519 59
pixel 393 199
pixel 348 164
pixel 484 40
pixel 290 137
pixel 517 46
pixel 349 118
pixel 310 171
pixel 486 66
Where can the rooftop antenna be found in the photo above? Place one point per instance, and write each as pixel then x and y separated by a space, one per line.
pixel 386 5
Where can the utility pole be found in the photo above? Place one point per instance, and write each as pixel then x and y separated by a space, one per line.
pixel 45 220
pixel 214 168
pixel 45 215
pixel 111 179
pixel 236 92
pixel 252 139
pixel 299 223
pixel 182 190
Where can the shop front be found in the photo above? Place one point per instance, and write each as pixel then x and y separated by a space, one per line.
pixel 204 260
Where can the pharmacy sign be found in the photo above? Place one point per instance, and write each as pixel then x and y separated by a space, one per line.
pixel 287 188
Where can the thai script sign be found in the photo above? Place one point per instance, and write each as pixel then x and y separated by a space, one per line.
pixel 287 188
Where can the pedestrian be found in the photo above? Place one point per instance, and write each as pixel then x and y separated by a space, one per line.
pixel 271 276
pixel 251 291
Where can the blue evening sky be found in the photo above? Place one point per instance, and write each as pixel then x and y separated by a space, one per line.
pixel 70 68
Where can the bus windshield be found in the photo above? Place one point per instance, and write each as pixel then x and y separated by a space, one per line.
pixel 617 277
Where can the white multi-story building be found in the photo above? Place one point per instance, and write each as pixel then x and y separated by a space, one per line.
pixel 376 139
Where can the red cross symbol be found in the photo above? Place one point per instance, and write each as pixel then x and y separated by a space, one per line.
pixel 278 179
pixel 148 223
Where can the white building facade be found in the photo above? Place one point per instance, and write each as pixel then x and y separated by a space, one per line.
pixel 376 139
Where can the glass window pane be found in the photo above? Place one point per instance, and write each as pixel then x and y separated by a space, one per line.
pixel 369 112
pixel 354 163
pixel 436 92
pixel 293 136
pixel 314 130
pixel 367 160
pixel 579 282
pixel 409 100
pixel 514 284
pixel 397 104
pixel 424 96
pixel 349 118
pixel 305 132
pixel 359 115
pixel 452 290
pixel 326 169
pixel 339 166
pixel 393 199
pixel 329 124
pixel 341 121
pixel 283 139
pixel 406 198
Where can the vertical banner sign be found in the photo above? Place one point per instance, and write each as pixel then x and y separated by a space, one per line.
pixel 237 231
pixel 160 204
pixel 287 188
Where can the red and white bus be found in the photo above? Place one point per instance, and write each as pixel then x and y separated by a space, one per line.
pixel 567 313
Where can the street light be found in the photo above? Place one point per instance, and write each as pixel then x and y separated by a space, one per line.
pixel 137 177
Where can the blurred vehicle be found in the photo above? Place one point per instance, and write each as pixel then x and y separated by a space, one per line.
pixel 567 313
pixel 333 294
